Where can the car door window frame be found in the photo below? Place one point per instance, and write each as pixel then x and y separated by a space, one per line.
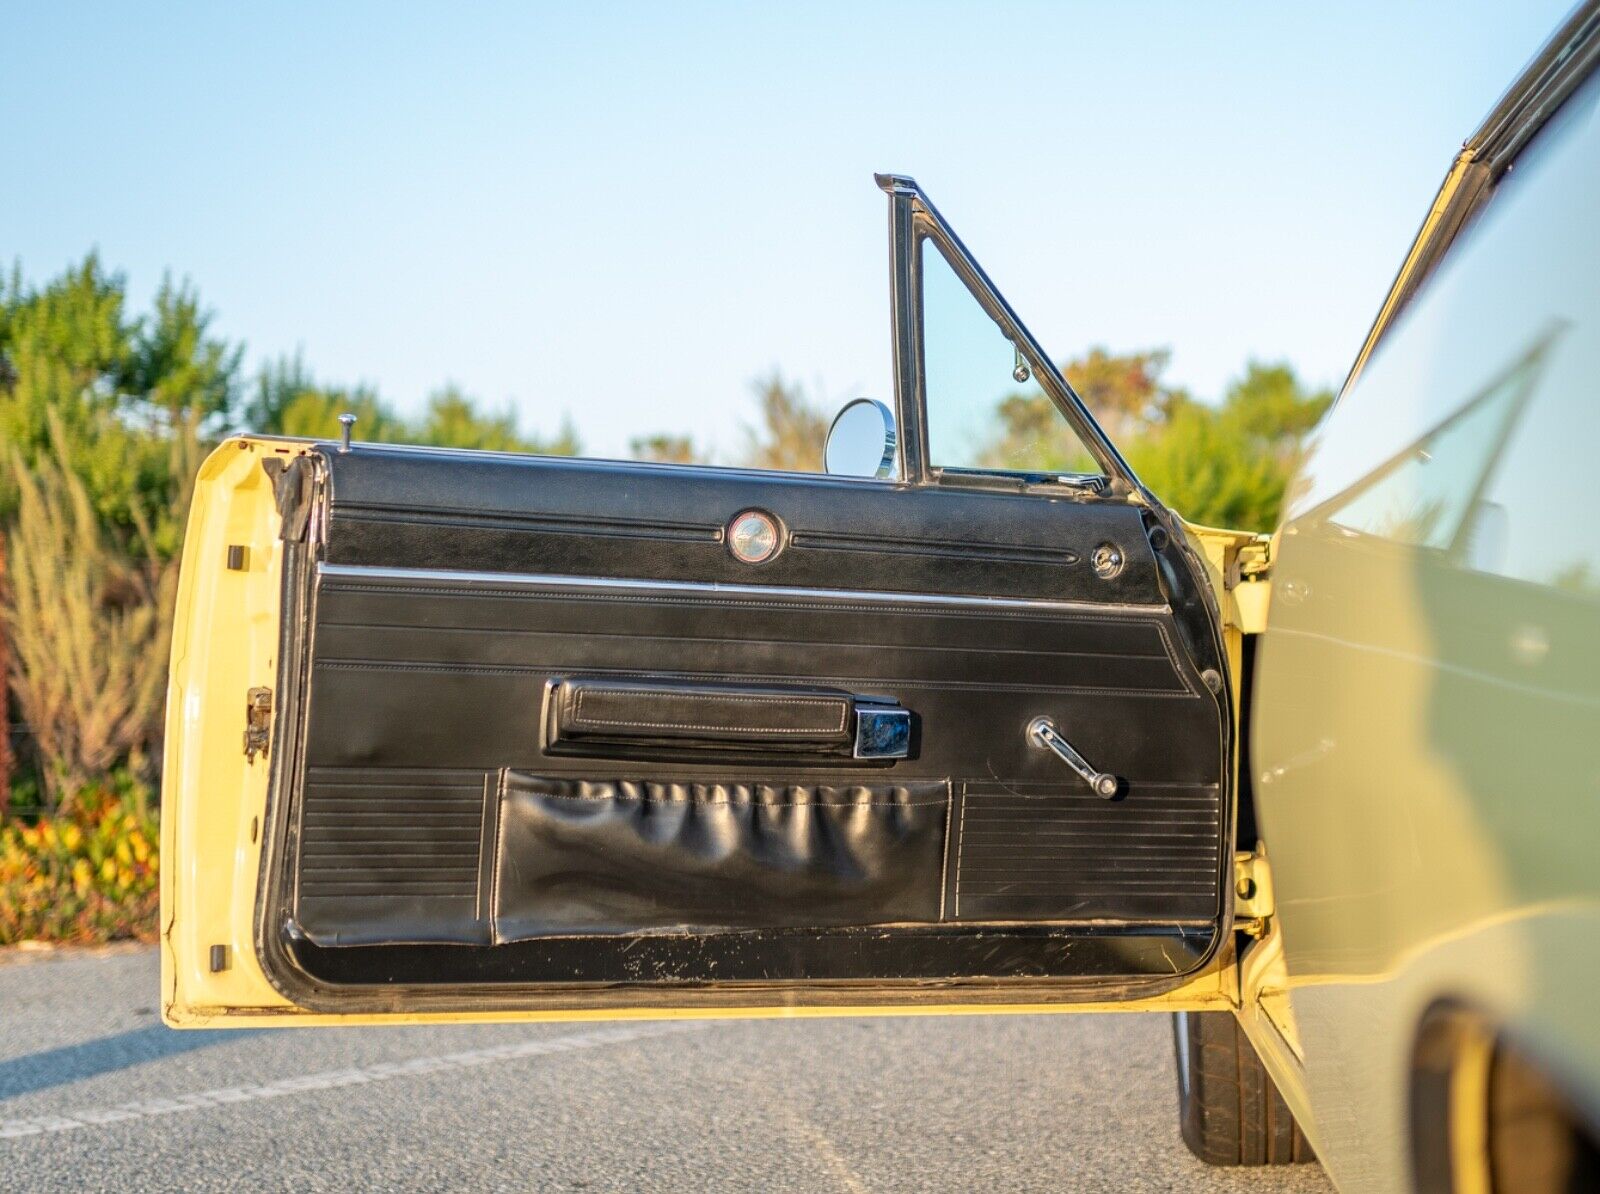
pixel 913 219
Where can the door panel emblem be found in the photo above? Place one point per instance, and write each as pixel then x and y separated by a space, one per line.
pixel 754 537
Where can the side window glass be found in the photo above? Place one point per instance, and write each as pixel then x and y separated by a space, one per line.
pixel 985 410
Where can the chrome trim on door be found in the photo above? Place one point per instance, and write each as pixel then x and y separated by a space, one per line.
pixel 912 219
pixel 446 576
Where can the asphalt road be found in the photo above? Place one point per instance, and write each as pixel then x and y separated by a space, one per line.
pixel 95 1094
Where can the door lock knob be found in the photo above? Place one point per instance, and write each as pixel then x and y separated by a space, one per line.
pixel 1042 732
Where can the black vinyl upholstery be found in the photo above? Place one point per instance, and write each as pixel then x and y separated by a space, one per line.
pixel 443 799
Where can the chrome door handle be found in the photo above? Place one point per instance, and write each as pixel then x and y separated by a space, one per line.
pixel 1042 733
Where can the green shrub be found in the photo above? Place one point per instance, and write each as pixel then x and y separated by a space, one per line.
pixel 89 623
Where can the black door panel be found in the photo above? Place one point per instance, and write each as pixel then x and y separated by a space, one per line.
pixel 414 693
pixel 1030 851
pixel 605 518
pixel 438 803
pixel 394 855
pixel 833 964
pixel 719 636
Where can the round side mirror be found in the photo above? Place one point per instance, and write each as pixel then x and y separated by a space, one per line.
pixel 861 442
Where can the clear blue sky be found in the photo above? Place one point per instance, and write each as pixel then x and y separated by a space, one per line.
pixel 625 212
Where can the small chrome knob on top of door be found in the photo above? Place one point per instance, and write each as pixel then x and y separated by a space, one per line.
pixel 1042 732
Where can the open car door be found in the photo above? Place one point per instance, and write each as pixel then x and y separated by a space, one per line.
pixel 463 733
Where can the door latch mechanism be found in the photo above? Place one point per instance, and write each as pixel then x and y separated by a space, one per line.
pixel 1042 733
pixel 257 722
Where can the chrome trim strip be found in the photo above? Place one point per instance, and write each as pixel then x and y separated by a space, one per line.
pixel 445 576
pixel 605 463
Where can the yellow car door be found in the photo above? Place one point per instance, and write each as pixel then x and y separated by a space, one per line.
pixel 465 734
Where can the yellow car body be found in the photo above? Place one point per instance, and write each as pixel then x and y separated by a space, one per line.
pixel 214 799
pixel 1425 746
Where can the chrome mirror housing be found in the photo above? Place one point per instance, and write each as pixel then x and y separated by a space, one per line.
pixel 861 441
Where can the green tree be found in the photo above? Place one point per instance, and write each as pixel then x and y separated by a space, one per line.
pixel 1198 464
pixel 665 449
pixel 792 431
pixel 452 419
pixel 1034 433
pixel 104 418
pixel 288 400
pixel 175 366
pixel 1229 465
pixel 111 391
pixel 1125 390
pixel 314 414
pixel 1271 407
pixel 65 345
pixel 1224 465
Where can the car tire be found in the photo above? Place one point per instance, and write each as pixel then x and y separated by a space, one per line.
pixel 1229 1109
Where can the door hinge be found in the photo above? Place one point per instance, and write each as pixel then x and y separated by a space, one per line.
pixel 257 722
pixel 1254 559
pixel 1252 892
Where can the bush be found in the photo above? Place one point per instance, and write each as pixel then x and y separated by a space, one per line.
pixel 86 876
pixel 90 622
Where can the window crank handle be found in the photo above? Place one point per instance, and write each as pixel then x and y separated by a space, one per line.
pixel 1042 732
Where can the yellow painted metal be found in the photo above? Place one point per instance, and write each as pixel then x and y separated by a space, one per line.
pixel 1469 1114
pixel 1253 600
pixel 1267 1018
pixel 1239 564
pixel 213 800
pixel 1427 767
pixel 1265 980
pixel 225 642
pixel 1210 991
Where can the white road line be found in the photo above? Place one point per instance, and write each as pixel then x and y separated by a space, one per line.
pixel 381 1071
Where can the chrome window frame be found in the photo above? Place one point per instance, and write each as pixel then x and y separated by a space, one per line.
pixel 914 219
